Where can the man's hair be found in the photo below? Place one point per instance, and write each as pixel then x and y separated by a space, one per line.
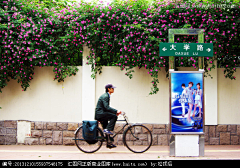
pixel 183 84
pixel 107 88
pixel 198 84
pixel 191 83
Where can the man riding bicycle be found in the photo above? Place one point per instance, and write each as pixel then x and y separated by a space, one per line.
pixel 105 113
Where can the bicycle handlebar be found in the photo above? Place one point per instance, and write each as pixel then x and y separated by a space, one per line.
pixel 124 116
pixel 123 113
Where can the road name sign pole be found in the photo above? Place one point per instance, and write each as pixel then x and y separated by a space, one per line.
pixel 189 141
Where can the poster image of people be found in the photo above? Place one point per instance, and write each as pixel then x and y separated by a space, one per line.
pixel 186 113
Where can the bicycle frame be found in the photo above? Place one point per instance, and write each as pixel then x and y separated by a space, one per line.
pixel 129 130
pixel 120 129
pixel 126 120
pixel 115 134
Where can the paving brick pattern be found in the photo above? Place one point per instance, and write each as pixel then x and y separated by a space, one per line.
pixel 8 132
pixel 62 133
pixel 222 135
pixel 52 133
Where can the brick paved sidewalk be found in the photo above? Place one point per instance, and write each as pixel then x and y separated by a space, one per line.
pixel 54 152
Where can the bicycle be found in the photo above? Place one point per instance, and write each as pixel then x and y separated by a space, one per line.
pixel 136 137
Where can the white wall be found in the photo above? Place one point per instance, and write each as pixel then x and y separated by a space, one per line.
pixel 211 97
pixel 228 98
pixel 48 100
pixel 44 100
pixel 132 95
pixel 88 88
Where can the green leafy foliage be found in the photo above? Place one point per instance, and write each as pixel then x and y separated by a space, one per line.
pixel 124 34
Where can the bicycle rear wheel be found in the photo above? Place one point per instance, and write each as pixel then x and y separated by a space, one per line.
pixel 88 146
pixel 137 138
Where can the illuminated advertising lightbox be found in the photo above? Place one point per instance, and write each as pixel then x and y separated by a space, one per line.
pixel 186 102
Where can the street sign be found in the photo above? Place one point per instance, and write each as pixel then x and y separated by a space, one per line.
pixel 186 49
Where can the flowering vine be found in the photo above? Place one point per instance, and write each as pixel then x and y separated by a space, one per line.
pixel 124 34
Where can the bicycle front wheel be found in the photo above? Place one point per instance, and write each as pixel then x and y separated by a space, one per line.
pixel 137 138
pixel 88 146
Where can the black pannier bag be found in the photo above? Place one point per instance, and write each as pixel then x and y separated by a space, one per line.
pixel 90 131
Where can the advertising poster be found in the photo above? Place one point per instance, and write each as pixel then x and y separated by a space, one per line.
pixel 187 102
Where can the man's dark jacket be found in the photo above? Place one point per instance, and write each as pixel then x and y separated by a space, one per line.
pixel 103 107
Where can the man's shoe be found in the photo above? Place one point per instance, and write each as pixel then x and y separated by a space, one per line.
pixel 107 132
pixel 111 146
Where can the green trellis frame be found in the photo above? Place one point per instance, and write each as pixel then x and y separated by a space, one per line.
pixel 173 32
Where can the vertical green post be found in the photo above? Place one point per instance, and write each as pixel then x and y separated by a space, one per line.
pixel 171 40
pixel 200 40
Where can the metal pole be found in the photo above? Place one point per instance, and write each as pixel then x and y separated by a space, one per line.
pixel 171 58
pixel 200 40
